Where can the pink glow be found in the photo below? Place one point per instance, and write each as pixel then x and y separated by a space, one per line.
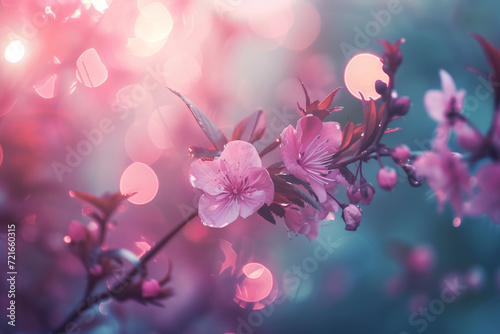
pixel 154 23
pixel 257 284
pixel 90 70
pixel 361 73
pixel 139 146
pixel 456 222
pixel 157 127
pixel 139 178
pixel 305 29
pixel 67 239
pixel 46 88
pixel 143 246
pixel 1 155
pixel 273 25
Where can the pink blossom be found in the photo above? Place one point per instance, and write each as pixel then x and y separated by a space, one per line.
pixel 235 184
pixel 352 215
pixel 441 102
pixel 307 151
pixel 150 288
pixel 387 178
pixel 447 175
pixel 487 200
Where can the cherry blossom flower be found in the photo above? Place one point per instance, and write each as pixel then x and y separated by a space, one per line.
pixel 487 200
pixel 447 175
pixel 307 151
pixel 440 103
pixel 235 184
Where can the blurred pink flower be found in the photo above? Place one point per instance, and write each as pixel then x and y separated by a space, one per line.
pixel 487 200
pixel 441 102
pixel 150 288
pixel 420 260
pixel 235 184
pixel 447 175
pixel 307 151
pixel 76 231
pixel 468 138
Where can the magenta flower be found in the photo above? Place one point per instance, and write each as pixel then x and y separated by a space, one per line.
pixel 487 200
pixel 307 151
pixel 441 102
pixel 447 175
pixel 235 184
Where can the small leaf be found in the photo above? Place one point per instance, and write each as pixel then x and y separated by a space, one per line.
pixel 276 168
pixel 265 212
pixel 292 179
pixel 106 204
pixel 493 55
pixel 306 197
pixel 391 130
pixel 211 131
pixel 325 104
pixel 277 209
pixel 203 153
pixel 347 174
pixel 251 128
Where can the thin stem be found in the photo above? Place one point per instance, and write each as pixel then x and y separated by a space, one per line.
pixel 88 302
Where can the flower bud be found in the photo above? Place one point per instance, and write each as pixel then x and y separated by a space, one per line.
pixel 150 288
pixel 352 215
pixel 367 192
pixel 387 178
pixel 401 154
pixel 94 231
pixel 380 87
pixel 354 194
pixel 414 178
pixel 401 106
pixel 76 231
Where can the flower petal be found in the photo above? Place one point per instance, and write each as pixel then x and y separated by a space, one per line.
pixel 239 157
pixel 260 179
pixel 435 104
pixel 308 128
pixel 332 132
pixel 447 84
pixel 205 176
pixel 251 202
pixel 217 211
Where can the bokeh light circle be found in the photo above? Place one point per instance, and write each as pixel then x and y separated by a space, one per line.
pixel 361 73
pixel 140 179
pixel 256 284
pixel 15 51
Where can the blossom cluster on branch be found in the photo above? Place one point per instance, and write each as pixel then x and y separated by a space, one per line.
pixel 320 161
